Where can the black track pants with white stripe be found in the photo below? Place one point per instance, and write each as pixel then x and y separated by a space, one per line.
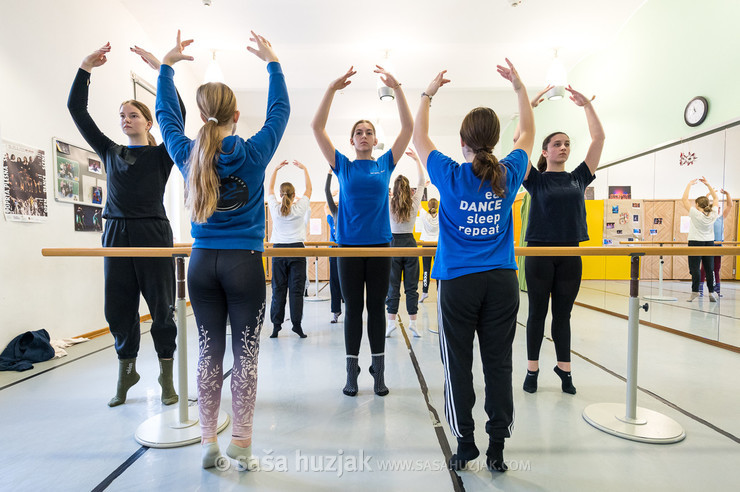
pixel 485 304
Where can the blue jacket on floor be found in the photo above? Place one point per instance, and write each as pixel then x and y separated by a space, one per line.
pixel 31 346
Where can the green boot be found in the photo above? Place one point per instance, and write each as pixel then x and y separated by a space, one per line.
pixel 127 377
pixel 169 396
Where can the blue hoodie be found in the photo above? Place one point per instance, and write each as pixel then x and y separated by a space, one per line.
pixel 239 220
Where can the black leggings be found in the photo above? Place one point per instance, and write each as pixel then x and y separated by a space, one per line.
pixel 707 262
pixel 559 277
pixel 288 277
pixel 229 282
pixel 334 288
pixel 364 281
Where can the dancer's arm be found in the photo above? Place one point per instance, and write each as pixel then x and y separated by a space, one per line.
pixel 404 113
pixel 685 198
pixel 309 188
pixel 423 144
pixel 77 102
pixel 318 124
pixel 329 198
pixel 594 128
pixel 728 204
pixel 273 177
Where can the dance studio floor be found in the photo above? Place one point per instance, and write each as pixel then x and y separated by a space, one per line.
pixel 59 434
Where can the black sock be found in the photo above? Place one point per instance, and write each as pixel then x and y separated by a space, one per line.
pixel 299 331
pixel 466 451
pixel 495 456
pixel 567 381
pixel 353 369
pixel 530 382
pixel 275 330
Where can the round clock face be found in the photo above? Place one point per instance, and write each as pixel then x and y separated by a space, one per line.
pixel 696 111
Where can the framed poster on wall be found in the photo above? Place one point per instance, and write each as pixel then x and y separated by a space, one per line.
pixel 79 175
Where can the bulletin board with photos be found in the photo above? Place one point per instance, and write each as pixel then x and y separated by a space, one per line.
pixel 79 175
pixel 623 221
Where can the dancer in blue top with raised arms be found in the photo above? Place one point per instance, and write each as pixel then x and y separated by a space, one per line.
pixel 224 176
pixel 478 289
pixel 363 220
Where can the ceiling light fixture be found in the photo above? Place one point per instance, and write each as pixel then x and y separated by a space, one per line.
pixel 385 93
pixel 557 77
pixel 213 72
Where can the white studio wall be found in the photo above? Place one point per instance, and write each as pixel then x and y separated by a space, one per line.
pixel 62 295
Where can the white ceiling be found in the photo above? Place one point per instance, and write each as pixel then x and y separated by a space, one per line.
pixel 317 40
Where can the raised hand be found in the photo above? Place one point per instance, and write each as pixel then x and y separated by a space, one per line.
pixel 264 50
pixel 281 165
pixel 438 81
pixel 578 98
pixel 298 165
pixel 343 81
pixel 539 97
pixel 387 78
pixel 176 54
pixel 148 58
pixel 410 152
pixel 96 58
pixel 510 74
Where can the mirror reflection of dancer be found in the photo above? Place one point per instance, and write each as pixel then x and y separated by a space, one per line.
pixel 719 238
pixel 224 177
pixel 363 220
pixel 331 219
pixel 478 288
pixel 137 174
pixel 429 233
pixel 288 231
pixel 557 217
pixel 404 208
pixel 702 215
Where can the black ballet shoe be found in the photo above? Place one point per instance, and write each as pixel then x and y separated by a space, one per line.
pixel 299 331
pixel 275 330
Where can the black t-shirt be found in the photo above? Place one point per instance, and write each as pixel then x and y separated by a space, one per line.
pixel 137 176
pixel 557 213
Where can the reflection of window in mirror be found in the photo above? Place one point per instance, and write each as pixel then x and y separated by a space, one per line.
pixel 146 93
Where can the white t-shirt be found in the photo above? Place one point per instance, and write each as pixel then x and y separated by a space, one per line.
pixel 429 226
pixel 701 227
pixel 290 229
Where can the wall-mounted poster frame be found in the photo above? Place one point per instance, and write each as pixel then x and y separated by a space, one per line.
pixel 79 175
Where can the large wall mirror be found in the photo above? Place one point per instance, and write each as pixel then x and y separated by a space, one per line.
pixel 638 199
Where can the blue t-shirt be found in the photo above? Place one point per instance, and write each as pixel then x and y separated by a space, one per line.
pixel 476 232
pixel 719 229
pixel 557 213
pixel 362 217
pixel 332 231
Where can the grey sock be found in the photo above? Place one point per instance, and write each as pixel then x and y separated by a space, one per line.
pixel 127 377
pixel 353 369
pixel 377 369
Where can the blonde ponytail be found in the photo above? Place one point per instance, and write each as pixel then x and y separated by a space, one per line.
pixel 215 101
pixel 287 194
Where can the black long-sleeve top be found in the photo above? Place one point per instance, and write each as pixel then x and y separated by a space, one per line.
pixel 330 198
pixel 137 176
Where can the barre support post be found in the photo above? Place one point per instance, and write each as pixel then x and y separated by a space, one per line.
pixel 628 421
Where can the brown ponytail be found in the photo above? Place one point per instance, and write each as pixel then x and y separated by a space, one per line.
pixel 287 193
pixel 401 202
pixel 542 161
pixel 215 100
pixel 144 110
pixel 480 131
pixel 703 203
pixel 433 206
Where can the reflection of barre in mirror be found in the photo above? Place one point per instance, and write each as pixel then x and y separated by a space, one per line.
pixel 634 423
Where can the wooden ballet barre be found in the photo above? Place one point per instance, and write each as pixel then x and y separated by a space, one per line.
pixel 314 243
pixel 674 242
pixel 405 252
